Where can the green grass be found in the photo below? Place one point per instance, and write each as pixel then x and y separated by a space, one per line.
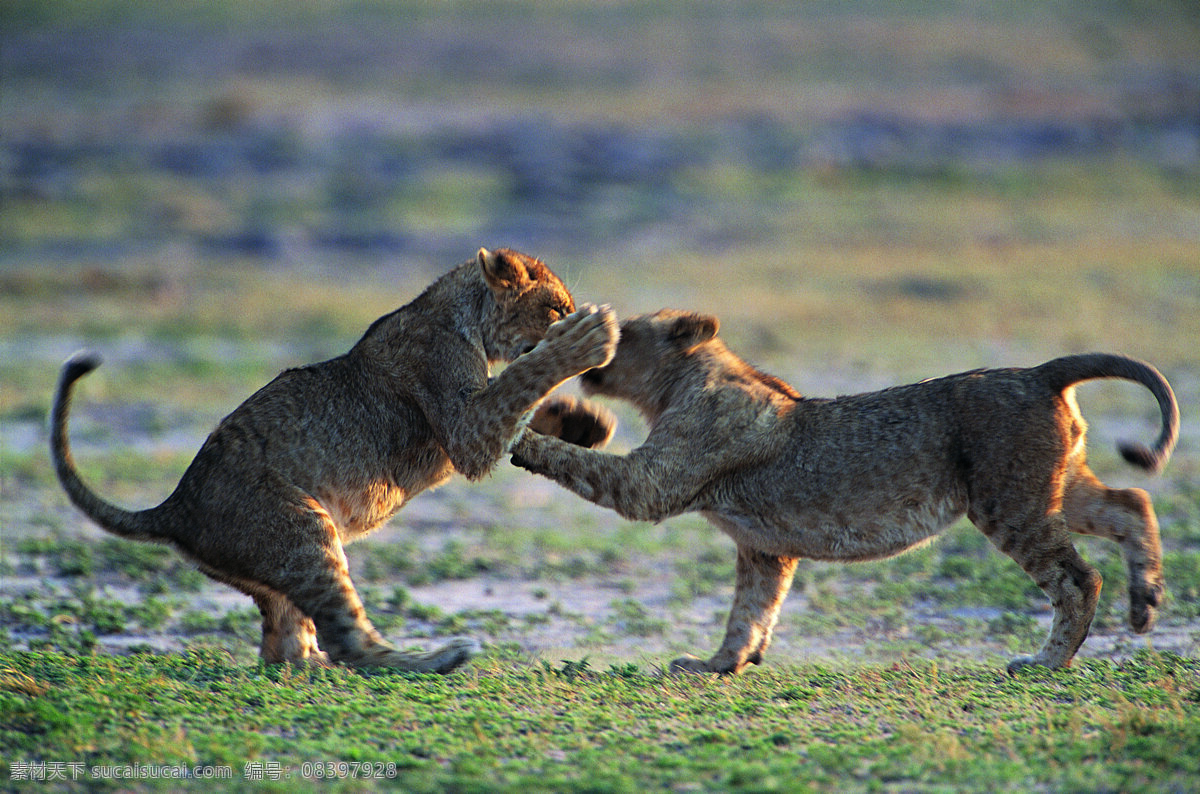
pixel 568 727
pixel 863 721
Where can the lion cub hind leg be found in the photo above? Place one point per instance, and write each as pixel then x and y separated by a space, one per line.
pixel 1044 550
pixel 327 594
pixel 288 634
pixel 316 581
pixel 1125 516
pixel 763 582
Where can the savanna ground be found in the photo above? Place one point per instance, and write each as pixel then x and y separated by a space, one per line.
pixel 208 193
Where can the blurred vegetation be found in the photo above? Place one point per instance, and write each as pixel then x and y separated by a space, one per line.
pixel 843 185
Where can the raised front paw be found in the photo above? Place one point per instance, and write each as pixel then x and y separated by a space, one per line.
pixel 580 422
pixel 586 337
pixel 527 453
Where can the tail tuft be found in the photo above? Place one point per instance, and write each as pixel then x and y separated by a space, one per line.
pixel 80 364
pixel 1141 456
pixel 1064 372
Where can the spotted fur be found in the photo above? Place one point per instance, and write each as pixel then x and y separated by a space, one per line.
pixel 866 476
pixel 325 453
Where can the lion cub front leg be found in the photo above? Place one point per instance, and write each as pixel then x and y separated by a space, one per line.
pixel 763 582
pixel 492 418
pixel 648 484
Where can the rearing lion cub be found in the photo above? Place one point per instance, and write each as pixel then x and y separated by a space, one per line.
pixel 866 476
pixel 325 453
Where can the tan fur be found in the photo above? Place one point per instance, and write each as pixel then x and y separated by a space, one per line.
pixel 325 453
pixel 574 421
pixel 866 476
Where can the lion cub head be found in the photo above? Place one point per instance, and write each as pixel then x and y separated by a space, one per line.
pixel 528 298
pixel 652 351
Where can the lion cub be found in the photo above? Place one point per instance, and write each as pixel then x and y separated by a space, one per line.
pixel 866 476
pixel 323 454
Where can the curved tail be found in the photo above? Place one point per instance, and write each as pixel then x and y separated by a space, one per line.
pixel 1069 370
pixel 127 524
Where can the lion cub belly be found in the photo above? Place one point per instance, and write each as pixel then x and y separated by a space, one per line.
pixel 362 505
pixel 357 512
pixel 862 530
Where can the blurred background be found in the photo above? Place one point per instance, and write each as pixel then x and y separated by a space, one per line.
pixel 210 191
pixel 776 163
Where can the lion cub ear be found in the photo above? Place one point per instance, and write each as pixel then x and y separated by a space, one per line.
pixel 502 270
pixel 689 330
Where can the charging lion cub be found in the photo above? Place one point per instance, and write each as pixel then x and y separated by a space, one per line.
pixel 323 454
pixel 866 476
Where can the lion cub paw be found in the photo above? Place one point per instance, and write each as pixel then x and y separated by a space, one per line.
pixel 450 656
pixel 440 660
pixel 575 421
pixel 1021 662
pixel 318 660
pixel 1143 606
pixel 686 665
pixel 589 334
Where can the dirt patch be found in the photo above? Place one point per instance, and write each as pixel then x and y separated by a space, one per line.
pixel 586 618
pixel 535 572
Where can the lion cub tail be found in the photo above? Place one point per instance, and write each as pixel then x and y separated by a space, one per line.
pixel 1064 372
pixel 127 524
